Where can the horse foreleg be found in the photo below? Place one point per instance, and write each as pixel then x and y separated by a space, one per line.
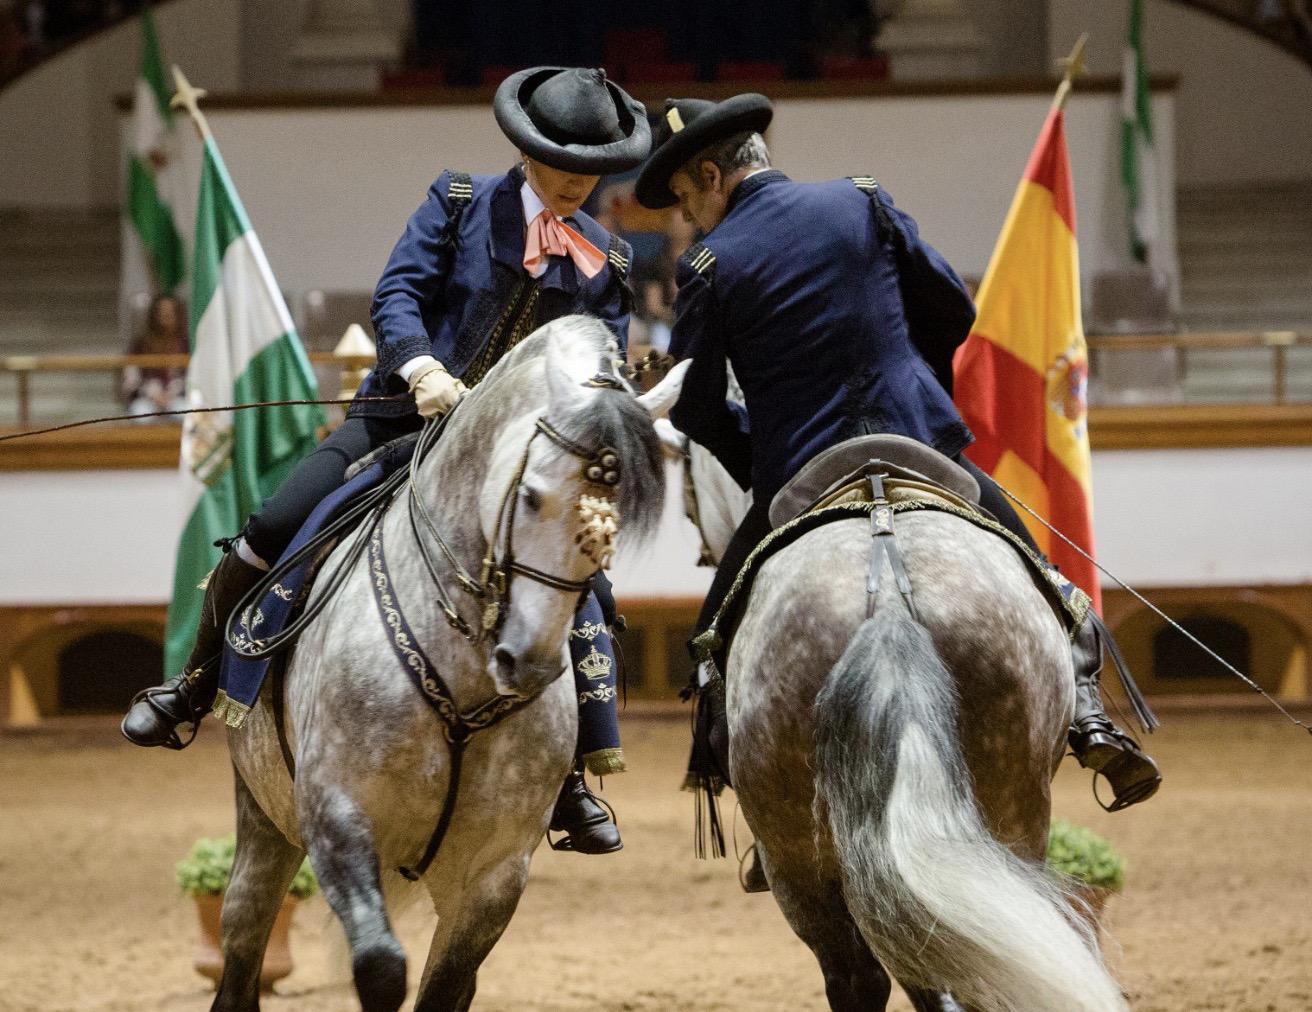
pixel 467 929
pixel 261 872
pixel 346 863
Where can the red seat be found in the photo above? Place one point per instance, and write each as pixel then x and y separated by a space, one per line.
pixel 874 68
pixel 490 77
pixel 412 78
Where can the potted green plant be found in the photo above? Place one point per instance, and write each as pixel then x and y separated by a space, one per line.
pixel 1080 855
pixel 203 875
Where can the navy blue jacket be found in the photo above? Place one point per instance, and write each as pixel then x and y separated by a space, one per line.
pixel 446 302
pixel 838 321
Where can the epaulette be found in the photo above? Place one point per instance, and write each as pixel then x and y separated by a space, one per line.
pixel 620 257
pixel 459 193
pixel 870 187
pixel 699 257
pixel 459 189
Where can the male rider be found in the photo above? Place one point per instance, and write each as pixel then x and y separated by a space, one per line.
pixel 838 321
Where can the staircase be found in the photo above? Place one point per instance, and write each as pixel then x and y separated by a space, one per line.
pixel 1286 23
pixel 59 279
pixel 1245 265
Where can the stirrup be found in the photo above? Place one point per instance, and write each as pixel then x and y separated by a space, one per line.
pixel 1116 757
pixel 566 843
pixel 150 697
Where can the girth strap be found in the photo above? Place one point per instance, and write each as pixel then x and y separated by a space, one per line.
pixel 457 727
pixel 884 543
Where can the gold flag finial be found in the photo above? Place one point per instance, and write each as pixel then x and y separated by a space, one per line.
pixel 187 97
pixel 1073 66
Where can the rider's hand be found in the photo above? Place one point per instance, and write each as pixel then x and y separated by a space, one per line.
pixel 435 390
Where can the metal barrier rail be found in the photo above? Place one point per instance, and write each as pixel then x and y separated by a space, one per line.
pixel 24 367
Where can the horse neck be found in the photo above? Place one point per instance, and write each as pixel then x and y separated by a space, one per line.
pixel 452 478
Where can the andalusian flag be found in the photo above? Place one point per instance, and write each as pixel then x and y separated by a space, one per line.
pixel 1021 376
pixel 154 167
pixel 244 349
pixel 1138 162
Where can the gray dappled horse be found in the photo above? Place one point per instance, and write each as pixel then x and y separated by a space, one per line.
pixel 371 762
pixel 896 772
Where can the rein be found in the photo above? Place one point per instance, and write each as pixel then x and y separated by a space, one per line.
pixel 393 398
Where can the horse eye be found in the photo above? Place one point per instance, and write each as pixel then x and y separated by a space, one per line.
pixel 532 499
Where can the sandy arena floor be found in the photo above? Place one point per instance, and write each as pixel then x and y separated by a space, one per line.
pixel 1215 915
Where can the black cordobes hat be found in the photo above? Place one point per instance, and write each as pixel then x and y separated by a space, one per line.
pixel 687 126
pixel 573 119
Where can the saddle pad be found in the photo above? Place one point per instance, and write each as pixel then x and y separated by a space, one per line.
pixel 240 679
pixel 898 456
pixel 1070 603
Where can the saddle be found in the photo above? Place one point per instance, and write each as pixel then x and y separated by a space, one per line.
pixel 879 477
pixel 840 474
pixel 278 601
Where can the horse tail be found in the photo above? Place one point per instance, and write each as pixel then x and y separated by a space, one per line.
pixel 940 902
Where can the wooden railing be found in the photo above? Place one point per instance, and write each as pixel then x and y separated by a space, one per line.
pixel 1278 342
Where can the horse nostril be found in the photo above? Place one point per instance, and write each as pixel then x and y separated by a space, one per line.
pixel 505 663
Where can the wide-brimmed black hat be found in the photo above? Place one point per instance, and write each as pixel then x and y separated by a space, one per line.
pixel 573 119
pixel 687 126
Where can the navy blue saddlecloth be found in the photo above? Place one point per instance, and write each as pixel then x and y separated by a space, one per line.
pixel 240 679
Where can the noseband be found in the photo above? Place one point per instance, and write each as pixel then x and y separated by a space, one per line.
pixel 601 468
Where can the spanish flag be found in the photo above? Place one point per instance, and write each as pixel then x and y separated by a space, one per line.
pixel 1022 374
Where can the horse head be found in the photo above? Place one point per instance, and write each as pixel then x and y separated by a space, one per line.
pixel 575 466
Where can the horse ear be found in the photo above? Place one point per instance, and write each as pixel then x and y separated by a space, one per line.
pixel 660 398
pixel 563 386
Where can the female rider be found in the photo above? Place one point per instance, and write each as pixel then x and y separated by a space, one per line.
pixel 483 262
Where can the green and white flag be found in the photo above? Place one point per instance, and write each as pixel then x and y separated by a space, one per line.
pixel 244 349
pixel 1138 160
pixel 154 166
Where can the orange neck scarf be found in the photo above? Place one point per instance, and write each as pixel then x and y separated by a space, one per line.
pixel 549 236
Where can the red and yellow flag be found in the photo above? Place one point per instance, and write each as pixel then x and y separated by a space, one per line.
pixel 1022 375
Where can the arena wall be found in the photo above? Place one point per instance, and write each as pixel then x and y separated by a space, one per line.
pixel 59 133
pixel 1163 518
pixel 328 189
pixel 1244 110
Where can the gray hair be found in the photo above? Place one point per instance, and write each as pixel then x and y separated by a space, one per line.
pixel 745 150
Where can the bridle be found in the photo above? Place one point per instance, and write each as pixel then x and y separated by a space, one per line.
pixel 601 468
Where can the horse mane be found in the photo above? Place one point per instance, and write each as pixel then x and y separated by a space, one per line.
pixel 605 417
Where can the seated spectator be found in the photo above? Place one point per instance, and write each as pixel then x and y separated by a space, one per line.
pixel 147 390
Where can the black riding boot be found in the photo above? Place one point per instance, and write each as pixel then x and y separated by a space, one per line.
pixel 185 699
pixel 1097 743
pixel 586 824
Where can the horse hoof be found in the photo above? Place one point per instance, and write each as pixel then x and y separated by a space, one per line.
pixel 380 977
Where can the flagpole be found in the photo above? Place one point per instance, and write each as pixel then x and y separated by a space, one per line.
pixel 189 98
pixel 1074 65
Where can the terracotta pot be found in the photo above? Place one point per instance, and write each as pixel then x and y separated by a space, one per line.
pixel 209 950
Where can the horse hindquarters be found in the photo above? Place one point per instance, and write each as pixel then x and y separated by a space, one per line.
pixel 939 901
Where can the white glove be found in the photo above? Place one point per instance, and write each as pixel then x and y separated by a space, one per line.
pixel 436 390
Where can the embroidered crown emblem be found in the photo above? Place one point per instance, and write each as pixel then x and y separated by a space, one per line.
pixel 595 665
